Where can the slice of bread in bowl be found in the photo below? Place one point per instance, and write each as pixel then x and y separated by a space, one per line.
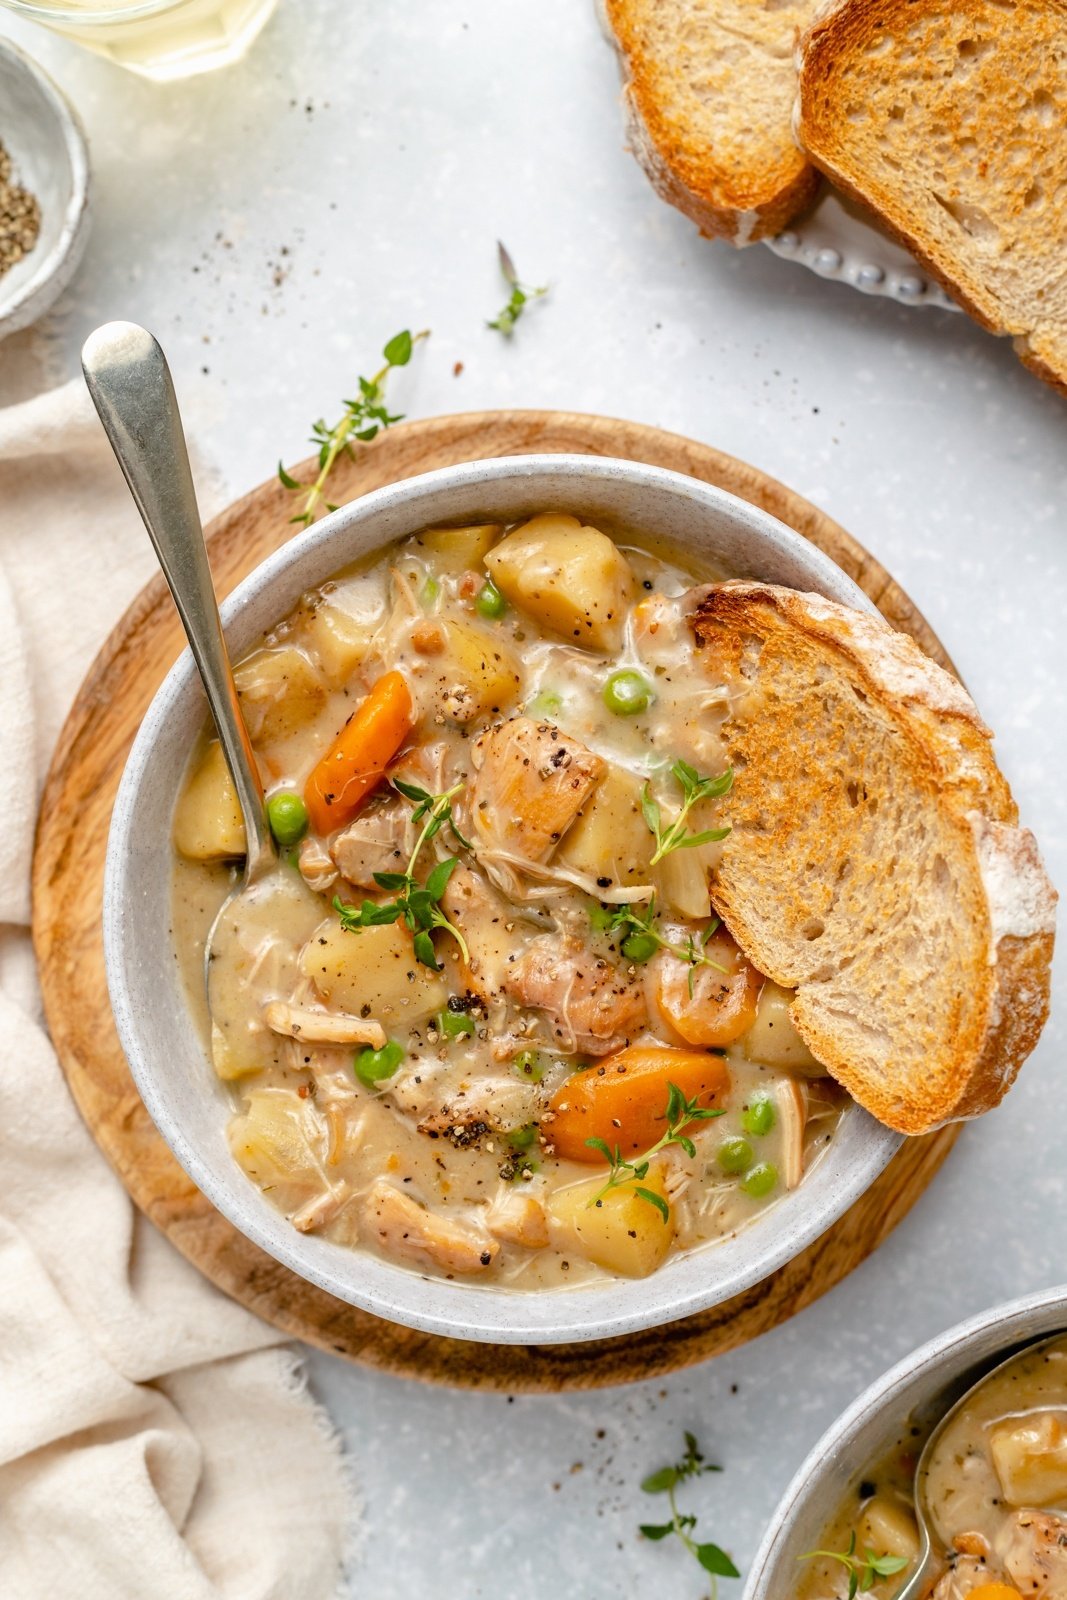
pixel 875 862
pixel 949 121
pixel 709 93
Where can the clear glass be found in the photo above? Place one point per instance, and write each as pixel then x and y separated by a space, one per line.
pixel 160 39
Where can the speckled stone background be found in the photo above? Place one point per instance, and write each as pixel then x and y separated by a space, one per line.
pixel 273 224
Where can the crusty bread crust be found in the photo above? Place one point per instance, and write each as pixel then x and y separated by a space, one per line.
pixel 875 863
pixel 739 200
pixel 848 56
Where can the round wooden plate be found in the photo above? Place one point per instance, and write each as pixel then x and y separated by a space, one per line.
pixel 68 885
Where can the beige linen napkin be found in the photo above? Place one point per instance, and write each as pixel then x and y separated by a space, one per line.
pixel 155 1439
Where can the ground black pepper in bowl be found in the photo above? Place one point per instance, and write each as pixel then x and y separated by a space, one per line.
pixel 20 217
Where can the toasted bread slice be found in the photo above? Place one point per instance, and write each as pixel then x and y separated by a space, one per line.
pixel 709 88
pixel 875 864
pixel 949 120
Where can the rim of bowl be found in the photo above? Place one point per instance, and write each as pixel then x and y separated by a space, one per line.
pixel 71 237
pixel 1011 1321
pixel 399 1293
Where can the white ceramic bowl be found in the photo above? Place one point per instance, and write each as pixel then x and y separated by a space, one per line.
pixel 167 1057
pixel 45 141
pixel 924 1385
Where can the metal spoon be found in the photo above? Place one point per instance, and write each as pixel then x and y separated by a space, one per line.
pixel 131 388
pixel 929 1559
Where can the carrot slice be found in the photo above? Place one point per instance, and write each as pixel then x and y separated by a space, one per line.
pixel 357 759
pixel 623 1099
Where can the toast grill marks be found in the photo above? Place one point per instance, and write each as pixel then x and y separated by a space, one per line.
pixel 950 121
pixel 709 93
pixel 874 862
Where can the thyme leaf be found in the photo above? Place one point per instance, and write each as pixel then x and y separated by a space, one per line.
pixel 673 835
pixel 679 1114
pixel 711 1557
pixel 520 297
pixel 863 1571
pixel 364 417
pixel 418 904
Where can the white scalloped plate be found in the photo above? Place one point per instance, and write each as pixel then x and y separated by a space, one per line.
pixel 838 239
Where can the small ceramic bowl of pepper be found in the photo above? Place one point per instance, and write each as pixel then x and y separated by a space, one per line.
pixel 44 191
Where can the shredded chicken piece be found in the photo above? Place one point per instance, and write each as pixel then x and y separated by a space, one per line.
pixel 377 841
pixel 502 1103
pixel 1033 1548
pixel 593 1006
pixel 793 1115
pixel 553 872
pixel 322 1209
pixel 488 924
pixel 518 1218
pixel 317 867
pixel 322 1027
pixel 531 785
pixel 404 1228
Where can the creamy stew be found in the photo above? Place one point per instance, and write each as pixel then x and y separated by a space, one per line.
pixel 996 1488
pixel 481 1017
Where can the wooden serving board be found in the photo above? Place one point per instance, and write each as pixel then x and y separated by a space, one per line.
pixel 68 886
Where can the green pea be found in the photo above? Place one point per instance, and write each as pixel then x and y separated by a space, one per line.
pixel 455 1023
pixel 546 705
pixel 490 602
pixel 372 1066
pixel 600 917
pixel 760 1180
pixel 734 1155
pixel 627 693
pixel 527 1064
pixel 523 1138
pixel 640 946
pixel 758 1116
pixel 288 817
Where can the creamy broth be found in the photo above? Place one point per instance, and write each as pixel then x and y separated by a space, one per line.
pixel 462 1148
pixel 995 1486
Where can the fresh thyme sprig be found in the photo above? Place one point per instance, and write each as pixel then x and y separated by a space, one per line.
pixel 694 788
pixel 714 1560
pixel 521 295
pixel 639 938
pixel 418 904
pixel 679 1114
pixel 363 419
pixel 863 1572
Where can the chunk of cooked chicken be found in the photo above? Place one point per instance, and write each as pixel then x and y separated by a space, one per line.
pixel 963 1578
pixel 316 865
pixel 488 924
pixel 322 1027
pixel 375 842
pixel 492 1104
pixel 322 1209
pixel 593 1006
pixel 518 1218
pixel 530 786
pixel 404 1228
pixel 1033 1549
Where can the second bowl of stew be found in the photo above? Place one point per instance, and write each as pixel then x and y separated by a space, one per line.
pixel 476 1054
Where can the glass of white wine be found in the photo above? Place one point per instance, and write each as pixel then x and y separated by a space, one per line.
pixel 161 39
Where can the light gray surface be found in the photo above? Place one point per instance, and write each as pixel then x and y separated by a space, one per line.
pixel 435 127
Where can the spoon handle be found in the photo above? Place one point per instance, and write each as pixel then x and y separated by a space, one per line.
pixel 131 388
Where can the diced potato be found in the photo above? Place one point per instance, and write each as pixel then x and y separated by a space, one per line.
pixel 279 1139
pixel 888 1527
pixel 373 967
pixel 570 577
pixel 1030 1458
pixel 623 1234
pixel 207 819
pixel 476 675
pixel 455 550
pixel 682 879
pixel 339 643
pixel 772 1038
pixel 280 692
pixel 610 837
